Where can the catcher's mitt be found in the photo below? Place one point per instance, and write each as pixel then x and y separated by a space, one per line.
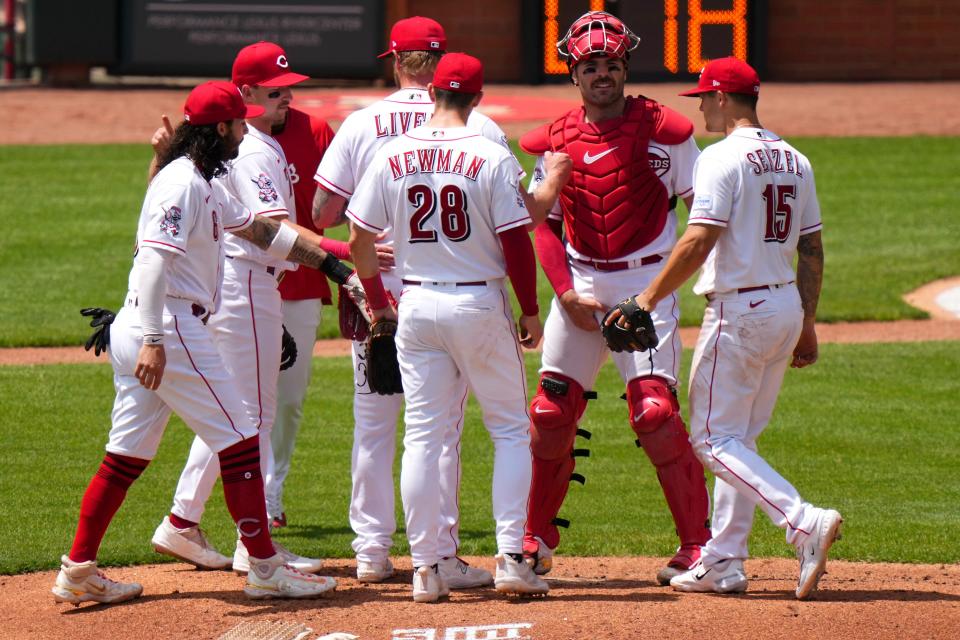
pixel 288 350
pixel 637 332
pixel 101 321
pixel 383 370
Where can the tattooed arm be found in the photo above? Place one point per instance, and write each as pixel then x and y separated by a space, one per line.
pixel 329 209
pixel 809 281
pixel 263 231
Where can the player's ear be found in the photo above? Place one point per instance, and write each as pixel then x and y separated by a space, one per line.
pixel 476 100
pixel 430 92
pixel 223 128
pixel 247 92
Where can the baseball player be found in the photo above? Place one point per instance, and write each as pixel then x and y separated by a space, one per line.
pixel 453 201
pixel 632 160
pixel 164 357
pixel 303 292
pixel 417 45
pixel 755 210
pixel 248 326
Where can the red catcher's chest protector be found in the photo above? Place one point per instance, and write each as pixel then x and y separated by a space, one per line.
pixel 614 203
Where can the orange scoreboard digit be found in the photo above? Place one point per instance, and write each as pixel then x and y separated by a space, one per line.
pixel 677 37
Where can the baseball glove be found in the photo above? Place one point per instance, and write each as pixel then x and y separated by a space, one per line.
pixel 101 321
pixel 636 333
pixel 354 321
pixel 288 351
pixel 383 370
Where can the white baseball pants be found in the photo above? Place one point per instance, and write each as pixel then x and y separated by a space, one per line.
pixel 195 385
pixel 579 354
pixel 745 344
pixel 247 332
pixel 301 318
pixel 448 333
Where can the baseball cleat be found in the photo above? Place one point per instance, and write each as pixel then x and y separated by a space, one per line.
pixel 518 577
pixel 726 576
pixel 460 575
pixel 80 582
pixel 682 561
pixel 278 522
pixel 542 557
pixel 273 578
pixel 189 545
pixel 241 559
pixel 813 551
pixel 372 572
pixel 428 585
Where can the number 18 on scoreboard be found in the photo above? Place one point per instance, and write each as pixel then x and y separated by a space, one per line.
pixel 677 37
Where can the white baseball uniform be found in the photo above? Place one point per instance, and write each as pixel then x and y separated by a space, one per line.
pixel 570 350
pixel 185 215
pixel 247 328
pixel 372 509
pixel 447 193
pixel 761 190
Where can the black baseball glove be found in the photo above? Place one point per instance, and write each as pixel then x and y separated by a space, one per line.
pixel 383 370
pixel 633 331
pixel 101 319
pixel 288 352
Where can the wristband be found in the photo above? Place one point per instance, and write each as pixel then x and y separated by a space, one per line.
pixel 335 270
pixel 283 242
pixel 150 340
pixel 376 294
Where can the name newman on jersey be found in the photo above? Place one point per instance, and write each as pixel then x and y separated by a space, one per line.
pixel 433 160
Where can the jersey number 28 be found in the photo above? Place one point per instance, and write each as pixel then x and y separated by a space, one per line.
pixel 454 221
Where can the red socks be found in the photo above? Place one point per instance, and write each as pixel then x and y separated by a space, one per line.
pixel 103 497
pixel 243 490
pixel 180 523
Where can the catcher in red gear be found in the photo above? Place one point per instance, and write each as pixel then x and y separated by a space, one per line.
pixel 610 234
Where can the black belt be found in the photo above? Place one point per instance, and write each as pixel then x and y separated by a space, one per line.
pixel 200 312
pixel 271 270
pixel 622 264
pixel 474 283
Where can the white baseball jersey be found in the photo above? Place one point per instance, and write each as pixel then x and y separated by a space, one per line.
pixel 446 193
pixel 260 179
pixel 365 131
pixel 674 166
pixel 184 214
pixel 762 190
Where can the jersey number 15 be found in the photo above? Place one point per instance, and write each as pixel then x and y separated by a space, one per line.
pixel 454 221
pixel 779 211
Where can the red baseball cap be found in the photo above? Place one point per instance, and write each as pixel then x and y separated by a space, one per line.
pixel 730 75
pixel 416 34
pixel 459 73
pixel 264 64
pixel 217 101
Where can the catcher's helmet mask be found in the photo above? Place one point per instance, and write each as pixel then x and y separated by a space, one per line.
pixel 597 33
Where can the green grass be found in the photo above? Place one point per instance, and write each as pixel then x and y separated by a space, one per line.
pixel 68 219
pixel 868 430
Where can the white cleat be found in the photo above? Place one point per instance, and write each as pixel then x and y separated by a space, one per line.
pixel 82 582
pixel 373 572
pixel 726 576
pixel 273 578
pixel 241 559
pixel 428 585
pixel 518 577
pixel 189 545
pixel 813 552
pixel 460 575
pixel 543 560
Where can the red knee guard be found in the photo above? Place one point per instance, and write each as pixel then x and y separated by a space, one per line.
pixel 554 412
pixel 655 417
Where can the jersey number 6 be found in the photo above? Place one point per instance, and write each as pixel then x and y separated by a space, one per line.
pixel 454 221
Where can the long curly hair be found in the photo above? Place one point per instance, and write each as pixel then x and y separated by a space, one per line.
pixel 202 144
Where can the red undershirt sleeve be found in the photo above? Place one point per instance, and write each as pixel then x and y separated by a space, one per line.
pixel 521 267
pixel 553 258
pixel 338 248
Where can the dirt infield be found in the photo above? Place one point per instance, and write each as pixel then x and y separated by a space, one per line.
pixel 591 598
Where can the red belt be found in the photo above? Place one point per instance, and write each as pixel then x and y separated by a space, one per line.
pixel 762 287
pixel 622 264
pixel 474 283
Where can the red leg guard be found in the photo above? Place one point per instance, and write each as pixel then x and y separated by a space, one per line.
pixel 554 413
pixel 655 417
